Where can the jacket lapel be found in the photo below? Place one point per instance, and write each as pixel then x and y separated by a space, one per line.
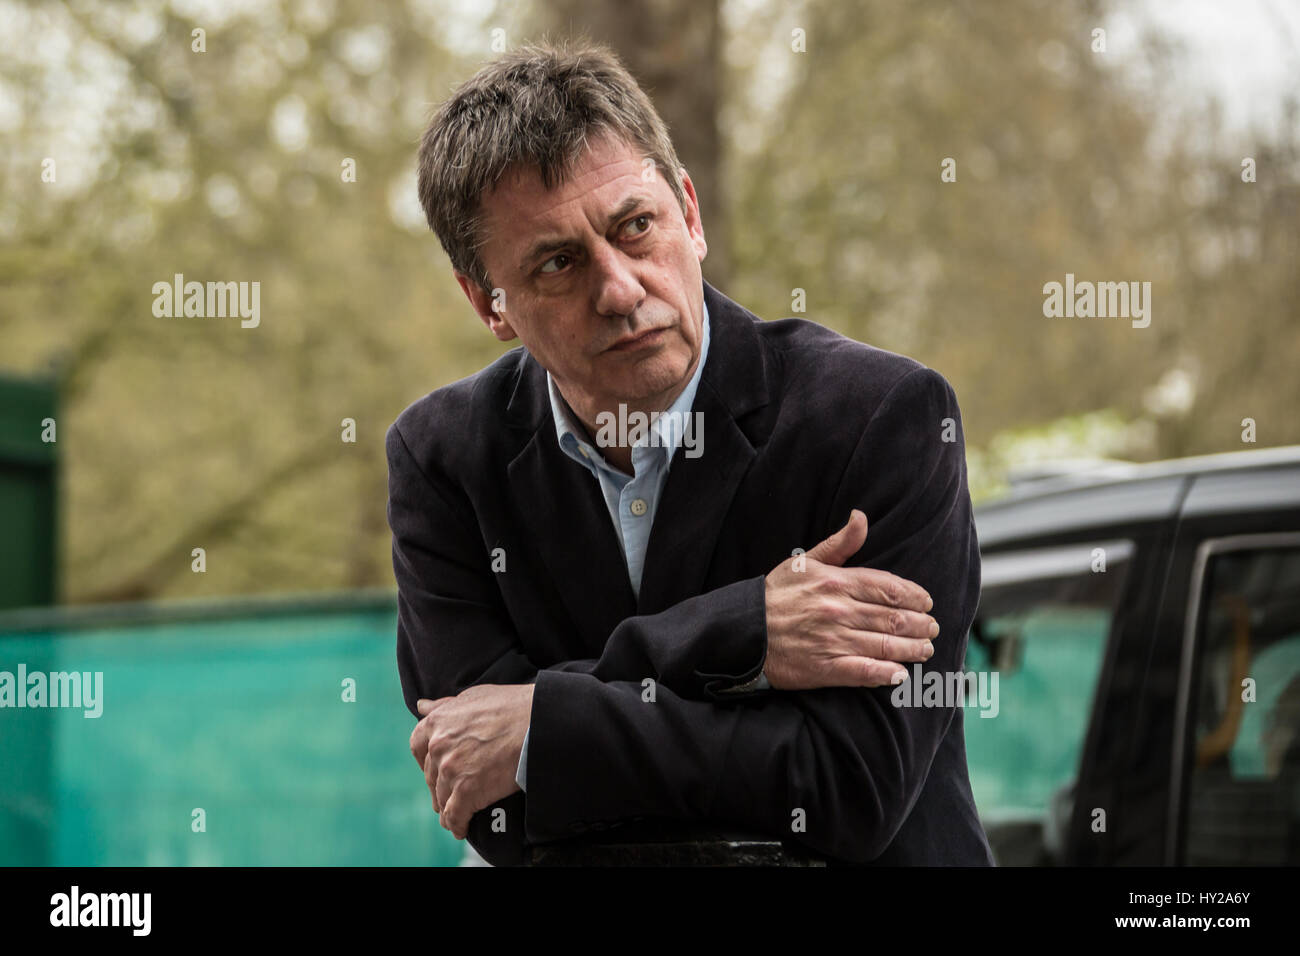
pixel 698 493
pixel 561 511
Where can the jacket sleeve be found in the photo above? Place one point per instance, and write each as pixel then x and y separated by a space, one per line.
pixel 454 632
pixel 836 769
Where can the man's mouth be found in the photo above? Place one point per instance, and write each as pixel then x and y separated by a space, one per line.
pixel 641 340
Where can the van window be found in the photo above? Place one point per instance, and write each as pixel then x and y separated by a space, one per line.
pixel 1043 622
pixel 1243 804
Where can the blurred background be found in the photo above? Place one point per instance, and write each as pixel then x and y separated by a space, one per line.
pixel 274 141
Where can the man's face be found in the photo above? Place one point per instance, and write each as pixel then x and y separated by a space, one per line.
pixel 601 278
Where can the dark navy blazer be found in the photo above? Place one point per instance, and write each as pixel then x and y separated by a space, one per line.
pixel 800 426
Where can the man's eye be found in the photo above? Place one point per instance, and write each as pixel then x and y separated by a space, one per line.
pixel 643 222
pixel 556 261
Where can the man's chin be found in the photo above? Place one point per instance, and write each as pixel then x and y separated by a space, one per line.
pixel 651 383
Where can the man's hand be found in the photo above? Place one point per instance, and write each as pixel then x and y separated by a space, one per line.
pixel 468 747
pixel 832 626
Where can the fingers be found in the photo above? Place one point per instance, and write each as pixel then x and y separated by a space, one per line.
pixel 442 792
pixel 431 779
pixel 456 815
pixel 863 672
pixel 420 742
pixel 893 621
pixel 422 732
pixel 439 783
pixel 843 544
pixel 888 648
pixel 872 586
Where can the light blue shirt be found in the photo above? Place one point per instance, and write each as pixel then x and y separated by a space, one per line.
pixel 633 499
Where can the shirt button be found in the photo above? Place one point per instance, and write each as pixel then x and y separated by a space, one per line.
pixel 638 506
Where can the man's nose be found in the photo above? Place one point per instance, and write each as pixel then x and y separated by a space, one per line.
pixel 618 290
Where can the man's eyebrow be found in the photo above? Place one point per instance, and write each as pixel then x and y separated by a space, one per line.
pixel 625 207
pixel 553 244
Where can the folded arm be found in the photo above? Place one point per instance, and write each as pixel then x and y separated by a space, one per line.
pixel 453 631
pixel 837 769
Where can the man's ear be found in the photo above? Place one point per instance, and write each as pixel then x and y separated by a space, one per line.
pixel 694 224
pixel 489 306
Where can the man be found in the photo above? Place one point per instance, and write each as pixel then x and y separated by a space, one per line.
pixel 600 624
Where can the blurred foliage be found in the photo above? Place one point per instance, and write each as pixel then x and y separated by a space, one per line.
pixel 226 165
pixel 1065 164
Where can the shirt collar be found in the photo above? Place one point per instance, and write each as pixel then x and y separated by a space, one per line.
pixel 572 436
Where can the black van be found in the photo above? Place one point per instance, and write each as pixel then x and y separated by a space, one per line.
pixel 1143 622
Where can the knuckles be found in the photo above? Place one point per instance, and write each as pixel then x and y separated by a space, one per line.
pixel 825 583
pixel 828 609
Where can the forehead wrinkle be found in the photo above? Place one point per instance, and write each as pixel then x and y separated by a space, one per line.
pixel 528 181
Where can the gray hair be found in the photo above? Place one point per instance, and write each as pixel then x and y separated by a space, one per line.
pixel 537 106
